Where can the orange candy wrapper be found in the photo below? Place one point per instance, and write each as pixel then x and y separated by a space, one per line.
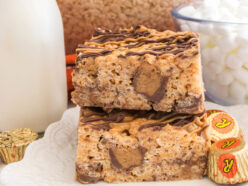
pixel 70 59
pixel 228 156
pixel 228 161
pixel 221 125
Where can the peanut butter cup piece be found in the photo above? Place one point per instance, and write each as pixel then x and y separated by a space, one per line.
pixel 85 178
pixel 227 161
pixel 149 82
pixel 222 126
pixel 127 158
pixel 88 179
pixel 13 144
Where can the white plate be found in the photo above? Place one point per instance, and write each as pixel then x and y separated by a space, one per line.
pixel 50 161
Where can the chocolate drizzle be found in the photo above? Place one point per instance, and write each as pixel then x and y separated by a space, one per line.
pixel 105 118
pixel 135 38
pixel 86 46
pixel 158 126
pixel 102 121
pixel 101 36
pixel 174 119
pixel 94 54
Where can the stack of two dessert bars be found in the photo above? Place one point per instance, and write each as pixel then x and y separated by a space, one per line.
pixel 142 107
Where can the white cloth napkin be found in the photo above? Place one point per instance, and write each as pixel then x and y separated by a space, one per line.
pixel 50 161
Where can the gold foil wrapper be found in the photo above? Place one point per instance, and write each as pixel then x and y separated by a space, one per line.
pixel 228 161
pixel 13 144
pixel 222 125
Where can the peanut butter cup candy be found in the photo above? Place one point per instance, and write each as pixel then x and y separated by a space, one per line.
pixel 212 111
pixel 13 144
pixel 222 125
pixel 228 161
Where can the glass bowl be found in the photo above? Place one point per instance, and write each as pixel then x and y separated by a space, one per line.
pixel 224 55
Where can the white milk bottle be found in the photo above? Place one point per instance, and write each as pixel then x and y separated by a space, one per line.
pixel 32 64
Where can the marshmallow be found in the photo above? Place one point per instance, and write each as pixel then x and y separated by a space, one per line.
pixel 226 15
pixel 220 92
pixel 223 29
pixel 205 56
pixel 234 62
pixel 242 39
pixel 216 68
pixel 232 5
pixel 241 75
pixel 204 39
pixel 184 27
pixel 214 53
pixel 188 10
pixel 212 41
pixel 237 91
pixel 243 54
pixel 225 77
pixel 208 73
pixel 245 66
pixel 210 3
pixel 243 12
pixel 224 47
pixel 206 28
pixel 227 44
pixel 193 26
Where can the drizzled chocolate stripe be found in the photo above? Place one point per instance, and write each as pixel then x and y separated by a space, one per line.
pixel 133 38
pixel 168 41
pixel 175 122
pixel 107 35
pixel 106 52
pixel 94 54
pixel 113 117
pixel 154 51
pixel 165 48
pixel 143 41
pixel 119 36
pixel 175 52
pixel 116 116
pixel 99 31
pixel 87 46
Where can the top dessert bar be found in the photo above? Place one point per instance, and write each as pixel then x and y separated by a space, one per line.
pixel 141 69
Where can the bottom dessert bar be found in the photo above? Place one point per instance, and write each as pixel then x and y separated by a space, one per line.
pixel 132 146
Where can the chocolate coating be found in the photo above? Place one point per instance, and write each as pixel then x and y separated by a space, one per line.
pixel 94 54
pixel 85 178
pixel 197 102
pixel 134 38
